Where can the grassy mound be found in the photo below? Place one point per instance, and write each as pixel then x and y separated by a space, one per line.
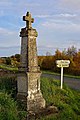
pixel 66 100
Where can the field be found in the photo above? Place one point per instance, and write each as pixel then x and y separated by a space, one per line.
pixel 67 101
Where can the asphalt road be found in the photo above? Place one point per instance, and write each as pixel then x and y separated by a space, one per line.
pixel 71 82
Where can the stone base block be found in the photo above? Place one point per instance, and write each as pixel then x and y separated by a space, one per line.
pixel 36 104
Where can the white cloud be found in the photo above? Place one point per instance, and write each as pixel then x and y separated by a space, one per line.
pixel 67 15
pixel 61 25
pixel 9 37
pixel 42 16
pixel 18 8
pixel 43 49
pixel 9 51
pixel 7 32
pixel 71 4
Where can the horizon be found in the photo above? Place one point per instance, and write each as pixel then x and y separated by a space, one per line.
pixel 49 51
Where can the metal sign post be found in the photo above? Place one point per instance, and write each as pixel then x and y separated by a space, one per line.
pixel 61 77
pixel 61 64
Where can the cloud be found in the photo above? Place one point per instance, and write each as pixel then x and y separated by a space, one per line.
pixel 67 15
pixel 43 49
pixel 71 4
pixel 5 32
pixel 62 15
pixel 8 7
pixel 9 47
pixel 8 37
pixel 42 16
pixel 62 25
pixel 9 51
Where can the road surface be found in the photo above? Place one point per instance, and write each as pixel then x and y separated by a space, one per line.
pixel 71 82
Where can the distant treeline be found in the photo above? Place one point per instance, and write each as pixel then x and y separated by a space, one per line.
pixel 48 62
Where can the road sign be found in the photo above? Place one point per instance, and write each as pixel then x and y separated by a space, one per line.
pixel 61 64
pixel 63 61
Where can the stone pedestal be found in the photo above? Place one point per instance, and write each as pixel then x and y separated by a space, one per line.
pixel 29 91
pixel 28 78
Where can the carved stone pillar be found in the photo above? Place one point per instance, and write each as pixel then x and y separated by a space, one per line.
pixel 28 78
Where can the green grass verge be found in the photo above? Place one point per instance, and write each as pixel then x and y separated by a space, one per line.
pixel 65 75
pixel 66 100
pixel 8 67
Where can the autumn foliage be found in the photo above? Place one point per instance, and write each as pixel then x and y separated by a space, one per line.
pixel 49 62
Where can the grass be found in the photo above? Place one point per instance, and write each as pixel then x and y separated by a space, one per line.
pixel 8 85
pixel 66 100
pixel 53 73
pixel 8 67
pixel 8 107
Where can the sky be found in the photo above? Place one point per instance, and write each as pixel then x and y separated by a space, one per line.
pixel 56 21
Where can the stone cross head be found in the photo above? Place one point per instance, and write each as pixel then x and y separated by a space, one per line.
pixel 28 20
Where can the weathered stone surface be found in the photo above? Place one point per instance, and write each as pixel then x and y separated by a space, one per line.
pixel 31 32
pixel 29 52
pixel 50 110
pixel 28 78
pixel 28 20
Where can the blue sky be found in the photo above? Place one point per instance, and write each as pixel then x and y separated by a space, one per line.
pixel 57 23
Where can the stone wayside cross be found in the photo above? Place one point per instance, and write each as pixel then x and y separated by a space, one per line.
pixel 28 78
pixel 28 20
